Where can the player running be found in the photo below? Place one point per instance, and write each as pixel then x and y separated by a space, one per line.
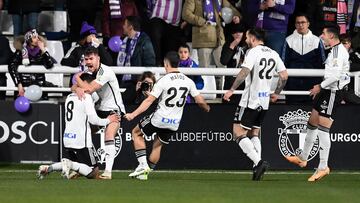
pixel 257 70
pixel 327 96
pixel 171 90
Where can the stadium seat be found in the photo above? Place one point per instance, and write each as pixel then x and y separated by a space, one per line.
pixel 209 84
pixel 55 50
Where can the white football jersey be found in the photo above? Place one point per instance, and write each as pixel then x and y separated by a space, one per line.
pixel 109 93
pixel 337 66
pixel 78 112
pixel 262 62
pixel 172 90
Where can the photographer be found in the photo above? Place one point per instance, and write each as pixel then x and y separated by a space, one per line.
pixel 142 89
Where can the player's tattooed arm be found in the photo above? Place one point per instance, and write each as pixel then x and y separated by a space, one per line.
pixel 240 78
pixel 283 77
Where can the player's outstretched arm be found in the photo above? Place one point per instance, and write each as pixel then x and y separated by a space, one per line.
pixel 283 77
pixel 240 78
pixel 87 87
pixel 143 107
pixel 202 103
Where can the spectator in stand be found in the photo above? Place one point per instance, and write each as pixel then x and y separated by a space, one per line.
pixel 113 17
pixel 207 31
pixel 354 24
pixel 5 55
pixel 274 20
pixel 186 61
pixel 349 95
pixel 164 27
pixel 30 50
pixel 232 55
pixel 75 56
pixel 302 50
pixel 143 87
pixel 80 11
pixel 136 50
pixel 18 9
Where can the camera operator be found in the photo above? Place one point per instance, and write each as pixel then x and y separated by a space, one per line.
pixel 142 89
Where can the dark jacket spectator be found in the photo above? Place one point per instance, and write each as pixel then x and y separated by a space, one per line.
pixel 232 55
pixel 302 50
pixel 30 50
pixel 113 19
pixel 5 55
pixel 75 55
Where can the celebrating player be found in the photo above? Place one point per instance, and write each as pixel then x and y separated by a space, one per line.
pixel 107 87
pixel 327 96
pixel 79 150
pixel 257 70
pixel 172 90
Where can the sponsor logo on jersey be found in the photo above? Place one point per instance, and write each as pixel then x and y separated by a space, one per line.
pixel 292 136
pixel 118 144
pixel 263 94
pixel 70 135
pixel 170 121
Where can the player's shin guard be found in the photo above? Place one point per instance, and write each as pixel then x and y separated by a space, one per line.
pixel 310 138
pixel 83 169
pixel 110 155
pixel 248 148
pixel 325 144
pixel 257 144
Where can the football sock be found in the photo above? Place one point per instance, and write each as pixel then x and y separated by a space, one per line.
pixel 151 165
pixel 109 154
pixel 257 144
pixel 248 148
pixel 325 144
pixel 55 167
pixel 141 157
pixel 83 169
pixel 310 138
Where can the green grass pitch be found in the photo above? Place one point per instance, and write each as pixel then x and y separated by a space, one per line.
pixel 21 185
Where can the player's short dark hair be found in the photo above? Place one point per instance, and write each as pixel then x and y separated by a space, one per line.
pixel 91 50
pixel 258 33
pixel 332 28
pixel 302 15
pixel 86 77
pixel 184 45
pixel 173 58
pixel 135 22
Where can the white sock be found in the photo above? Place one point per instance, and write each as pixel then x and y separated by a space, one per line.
pixel 83 169
pixel 248 148
pixel 141 157
pixel 311 133
pixel 257 144
pixel 110 155
pixel 55 167
pixel 325 144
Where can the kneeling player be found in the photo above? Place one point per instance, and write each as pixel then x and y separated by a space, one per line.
pixel 80 155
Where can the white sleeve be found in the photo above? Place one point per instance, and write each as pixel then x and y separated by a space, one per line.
pixel 250 59
pixel 103 77
pixel 333 69
pixel 193 90
pixel 157 89
pixel 91 113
